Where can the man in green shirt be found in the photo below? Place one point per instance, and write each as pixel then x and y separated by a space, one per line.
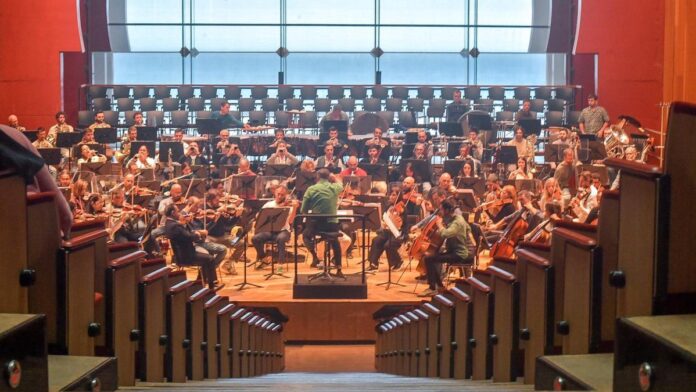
pixel 457 234
pixel 322 198
pixel 226 119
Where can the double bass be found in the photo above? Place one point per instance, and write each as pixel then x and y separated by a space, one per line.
pixel 515 230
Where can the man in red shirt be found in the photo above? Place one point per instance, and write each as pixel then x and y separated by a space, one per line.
pixel 353 169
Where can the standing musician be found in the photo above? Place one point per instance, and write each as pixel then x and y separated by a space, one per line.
pixel 322 198
pixel 280 238
pixel 593 119
pixel 226 119
pixel 329 160
pixel 282 156
pixel 566 175
pixel 457 234
pixel 59 127
pixel 526 111
pixel 457 108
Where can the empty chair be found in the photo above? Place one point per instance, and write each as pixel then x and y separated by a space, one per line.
pixel 257 118
pixel 347 104
pixel 435 112
pixel 372 104
pixel 270 104
pixel 282 119
pixel 154 118
pixel 294 104
pixel 407 120
pixel 203 114
pixel 147 104
pixel 425 92
pixel 336 92
pixel 566 92
pixel 447 92
pixel 216 103
pixel 437 103
pixel 388 116
pixel 179 118
pixel 285 92
pixel 521 93
pixel 531 112
pixel 572 119
pixel 195 104
pixel 557 105
pixel 100 104
pixel 162 92
pixel 415 104
pixel 537 105
pixel 496 93
pixel 246 104
pixel 84 118
pixel 170 104
pixel 141 92
pixel 96 92
pixel 111 118
pixel 400 92
pixel 542 93
pixel 358 92
pixel 472 92
pixel 322 105
pixel 184 92
pixel 554 118
pixel 308 93
pixel 309 120
pixel 124 104
pixel 380 92
pixel 259 92
pixel 128 117
pixel 484 104
pixel 394 104
pixel 511 105
pixel 504 116
pixel 233 92
pixel 120 92
pixel 208 92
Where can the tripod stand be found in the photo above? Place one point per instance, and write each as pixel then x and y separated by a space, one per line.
pixel 244 282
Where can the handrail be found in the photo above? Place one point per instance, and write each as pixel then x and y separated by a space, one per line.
pixel 534 245
pixel 226 309
pixel 635 168
pixel 477 285
pixel 533 258
pixel 84 239
pixel 213 301
pixel 443 300
pixel 126 260
pixel 575 238
pixel 430 308
pixel 199 295
pixel 99 223
pixel 119 246
pixel 576 226
pixel 155 275
pixel 40 197
pixel 500 274
pixel 181 286
pixel 459 294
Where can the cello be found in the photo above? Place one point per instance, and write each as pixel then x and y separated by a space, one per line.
pixel 427 243
pixel 515 230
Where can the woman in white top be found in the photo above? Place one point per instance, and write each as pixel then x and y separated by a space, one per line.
pixel 521 173
pixel 142 160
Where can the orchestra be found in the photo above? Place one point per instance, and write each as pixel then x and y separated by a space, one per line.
pixel 202 199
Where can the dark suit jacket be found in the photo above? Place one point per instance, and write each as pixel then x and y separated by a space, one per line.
pixel 200 160
pixel 182 240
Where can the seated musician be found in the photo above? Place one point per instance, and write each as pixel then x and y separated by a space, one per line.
pixel 138 119
pixel 182 239
pixel 179 137
pixel 329 160
pixel 506 203
pixel 353 169
pixel 143 160
pixel 322 198
pixel 88 155
pixel 99 121
pixel 551 193
pixel 585 199
pixel 308 165
pixel 279 137
pixel 563 137
pixel 78 197
pixel 465 154
pixel 244 168
pixel 566 175
pixel 385 240
pixel 130 136
pixel 41 140
pixel 231 155
pixel 64 179
pixel 424 137
pixel 521 173
pixel 193 156
pixel 280 238
pixel 13 122
pixel 544 230
pixel 57 128
pixel 226 119
pixel 526 111
pixel 340 146
pixel 630 154
pixel 467 170
pixel 378 140
pixel 223 141
pixel 88 136
pixel 524 147
pixel 282 156
pixel 335 114
pixel 458 242
pixel 529 213
pixel 125 222
pixel 94 208
pixel 457 107
pixel 373 156
pixel 476 149
pixel 129 187
pixel 199 222
pixel 419 151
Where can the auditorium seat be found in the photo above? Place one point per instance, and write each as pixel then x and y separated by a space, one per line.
pixel 141 92
pixel 204 114
pixel 521 93
pixel 170 104
pixel 216 103
pixel 184 92
pixel 415 105
pixel 557 105
pixel 195 104
pixel 496 93
pixel 162 92
pixel 232 93
pixel 246 104
pixel 358 92
pixel 111 118
pixel 257 118
pixel 309 120
pixel 394 104
pixel 285 92
pixel 101 104
pixel 120 92
pixel 572 118
pixel 322 105
pixel 155 118
pixel 347 104
pixel 380 92
pixel 308 93
pixel 407 120
pixel 294 104
pixel 124 104
pixel 400 92
pixel 484 104
pixel 511 105
pixel 85 118
pixel 336 92
pixel 96 92
pixel 537 105
pixel 447 93
pixel 372 104
pixel 282 119
pixel 504 116
pixel 147 104
pixel 425 93
pixel 433 113
pixel 388 116
pixel 259 92
pixel 208 92
pixel 472 92
pixel 566 93
pixel 554 118
pixel 270 104
pixel 128 119
pixel 179 119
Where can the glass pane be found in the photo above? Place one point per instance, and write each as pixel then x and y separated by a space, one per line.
pixel 422 39
pixel 414 68
pixel 146 68
pixel 503 39
pixel 153 11
pixel 510 69
pixel 154 38
pixel 423 12
pixel 330 68
pixel 236 38
pixel 330 39
pixel 236 68
pixel 236 11
pixel 505 12
pixel 331 11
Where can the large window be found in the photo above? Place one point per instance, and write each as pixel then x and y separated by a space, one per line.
pixel 328 41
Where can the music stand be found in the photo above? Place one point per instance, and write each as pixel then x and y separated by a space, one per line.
pixel 304 180
pixel 340 125
pixel 135 146
pixel 243 186
pixel 208 126
pixel 554 152
pixel 362 183
pixel 478 185
pixel 467 197
pixel 197 186
pixel 68 139
pixel 453 149
pixel 508 155
pixel 598 151
pixel 279 170
pixel 147 174
pixel 228 170
pixel 147 134
pixel 453 167
pixel 198 171
pixel 272 220
pixel 152 185
pixel 30 134
pixel 420 167
pixel 100 168
pixel 451 129
pixel 412 137
pixel 478 119
pixel 176 149
pixel 105 135
pixel 523 185
pixel 531 126
pixel 370 198
pixel 378 171
pixel 51 156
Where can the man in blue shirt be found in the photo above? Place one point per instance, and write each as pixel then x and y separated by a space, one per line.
pixel 226 119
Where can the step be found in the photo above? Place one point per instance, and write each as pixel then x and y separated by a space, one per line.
pixel 658 352
pixel 588 372
pixel 75 373
pixel 23 352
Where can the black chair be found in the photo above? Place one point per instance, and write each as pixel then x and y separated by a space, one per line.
pixel 270 104
pixel 85 118
pixel 537 105
pixel 472 92
pixel 120 92
pixel 400 92
pixel 154 118
pixel 233 92
pixel 124 104
pixel 216 103
pixel 347 104
pixel 484 104
pixel 358 92
pixel 282 119
pixel 554 118
pixel 425 93
pixel 162 92
pixel 128 117
pixel 388 116
pixel 246 104
pixel 179 119
pixel 308 93
pixel 415 104
pixel 141 92
pixel 259 92
pixel 447 93
pixel 394 104
pixel 257 117
pixel 380 92
pixel 184 92
pixel 204 114
pixel 96 92
pixel 504 116
pixel 101 104
pixel 294 104
pixel 322 105
pixel 567 93
pixel 558 105
pixel 511 105
pixel 542 93
pixel 111 118
pixel 147 104
pixel 170 104
pixel 309 120
pixel 573 116
pixel 496 93
pixel 195 104
pixel 521 93
pixel 208 92
pixel 285 92
pixel 336 92
pixel 407 120
pixel 372 104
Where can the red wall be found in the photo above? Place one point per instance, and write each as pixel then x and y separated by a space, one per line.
pixel 34 32
pixel 628 37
